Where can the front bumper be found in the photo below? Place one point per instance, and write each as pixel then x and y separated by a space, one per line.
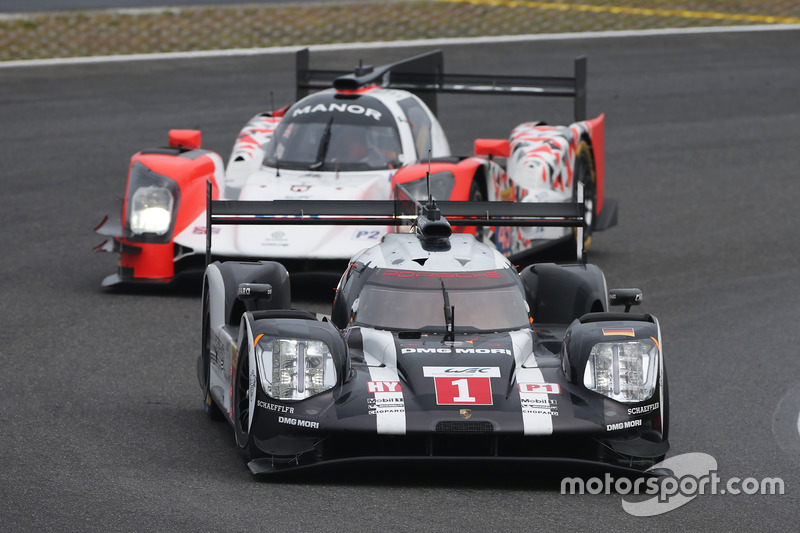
pixel 603 459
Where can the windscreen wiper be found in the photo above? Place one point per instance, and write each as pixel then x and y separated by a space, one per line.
pixel 449 312
pixel 323 146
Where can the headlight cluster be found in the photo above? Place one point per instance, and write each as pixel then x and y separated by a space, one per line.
pixel 625 371
pixel 442 184
pixel 294 369
pixel 152 202
pixel 151 210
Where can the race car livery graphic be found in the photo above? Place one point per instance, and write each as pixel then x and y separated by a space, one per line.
pixel 362 135
pixel 436 347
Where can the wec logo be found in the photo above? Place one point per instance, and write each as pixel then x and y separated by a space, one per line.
pixel 460 371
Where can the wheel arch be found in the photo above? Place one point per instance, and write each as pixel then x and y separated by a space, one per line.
pixel 594 135
pixel 559 294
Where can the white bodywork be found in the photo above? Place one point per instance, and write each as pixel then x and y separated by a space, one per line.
pixel 539 169
pixel 248 178
pixel 405 252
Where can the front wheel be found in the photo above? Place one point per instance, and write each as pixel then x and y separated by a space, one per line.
pixel 585 174
pixel 209 407
pixel 244 389
pixel 477 193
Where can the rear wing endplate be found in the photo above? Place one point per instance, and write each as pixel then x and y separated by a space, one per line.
pixel 424 76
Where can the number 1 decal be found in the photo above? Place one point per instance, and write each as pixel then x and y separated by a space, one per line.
pixel 463 391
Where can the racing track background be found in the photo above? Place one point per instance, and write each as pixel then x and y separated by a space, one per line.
pixel 100 419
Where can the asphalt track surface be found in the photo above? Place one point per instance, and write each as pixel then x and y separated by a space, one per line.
pixel 100 420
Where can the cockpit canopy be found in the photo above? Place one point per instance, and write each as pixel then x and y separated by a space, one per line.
pixel 415 300
pixel 330 132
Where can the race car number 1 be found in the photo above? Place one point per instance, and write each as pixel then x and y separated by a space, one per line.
pixel 463 391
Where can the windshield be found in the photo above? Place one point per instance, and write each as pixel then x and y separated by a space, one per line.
pixel 475 308
pixel 329 134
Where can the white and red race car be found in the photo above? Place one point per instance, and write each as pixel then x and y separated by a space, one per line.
pixel 371 134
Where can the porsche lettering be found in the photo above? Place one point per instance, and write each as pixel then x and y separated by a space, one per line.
pixel 460 275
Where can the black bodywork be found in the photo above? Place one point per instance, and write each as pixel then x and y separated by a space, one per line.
pixel 450 389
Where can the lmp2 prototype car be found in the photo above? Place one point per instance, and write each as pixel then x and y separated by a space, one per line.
pixel 359 137
pixel 436 348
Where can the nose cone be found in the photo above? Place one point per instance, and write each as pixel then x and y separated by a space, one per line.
pixel 307 242
pixel 436 370
pixel 311 241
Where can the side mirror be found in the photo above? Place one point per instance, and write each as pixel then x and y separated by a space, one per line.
pixel 186 139
pixel 626 297
pixel 254 295
pixel 493 147
pixel 254 291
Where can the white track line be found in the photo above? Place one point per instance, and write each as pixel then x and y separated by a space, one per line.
pixel 394 44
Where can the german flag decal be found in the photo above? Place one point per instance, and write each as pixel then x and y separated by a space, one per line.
pixel 628 332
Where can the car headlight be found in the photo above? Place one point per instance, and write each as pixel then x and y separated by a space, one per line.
pixel 625 371
pixel 152 203
pixel 151 211
pixel 294 369
pixel 442 184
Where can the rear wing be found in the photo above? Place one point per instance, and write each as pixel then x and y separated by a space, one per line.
pixel 424 76
pixel 404 210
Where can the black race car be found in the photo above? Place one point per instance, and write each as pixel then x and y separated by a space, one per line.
pixel 436 347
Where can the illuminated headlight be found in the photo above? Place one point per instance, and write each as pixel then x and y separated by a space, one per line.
pixel 294 369
pixel 625 371
pixel 152 203
pixel 442 184
pixel 151 210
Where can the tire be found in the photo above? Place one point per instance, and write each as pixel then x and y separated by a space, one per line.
pixel 585 174
pixel 210 408
pixel 241 405
pixel 665 407
pixel 477 193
